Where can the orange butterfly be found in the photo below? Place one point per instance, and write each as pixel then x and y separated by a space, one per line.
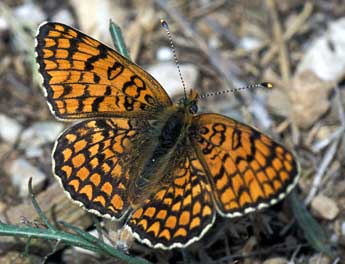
pixel 137 155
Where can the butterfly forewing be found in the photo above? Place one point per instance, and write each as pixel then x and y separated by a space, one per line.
pixel 247 169
pixel 83 78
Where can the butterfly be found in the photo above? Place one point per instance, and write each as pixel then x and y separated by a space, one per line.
pixel 135 155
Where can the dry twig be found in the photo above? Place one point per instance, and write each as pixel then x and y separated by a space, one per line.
pixel 293 29
pixel 284 62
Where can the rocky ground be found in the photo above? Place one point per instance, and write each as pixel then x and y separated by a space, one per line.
pixel 299 46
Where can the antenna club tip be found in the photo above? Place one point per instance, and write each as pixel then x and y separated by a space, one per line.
pixel 164 24
pixel 268 85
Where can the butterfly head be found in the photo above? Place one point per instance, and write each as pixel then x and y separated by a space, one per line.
pixel 190 103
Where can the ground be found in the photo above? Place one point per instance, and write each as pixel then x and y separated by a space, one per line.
pixel 299 46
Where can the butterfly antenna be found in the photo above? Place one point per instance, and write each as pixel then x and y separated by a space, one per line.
pixel 166 27
pixel 251 86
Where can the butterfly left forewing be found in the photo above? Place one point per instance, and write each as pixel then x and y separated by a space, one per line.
pixel 247 169
pixel 84 78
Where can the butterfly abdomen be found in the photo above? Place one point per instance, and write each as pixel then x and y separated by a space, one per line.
pixel 156 161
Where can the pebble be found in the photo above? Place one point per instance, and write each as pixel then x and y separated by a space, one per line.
pixel 3 24
pixel 343 228
pixel 2 209
pixel 33 152
pixel 5 150
pixel 20 171
pixel 9 129
pixel 276 260
pixel 93 233
pixel 91 16
pixel 16 257
pixel 38 134
pixel 324 207
pixel 319 259
pixel 164 54
pixel 249 43
pixel 326 56
pixel 30 13
pixel 306 89
pixel 167 75
pixel 63 16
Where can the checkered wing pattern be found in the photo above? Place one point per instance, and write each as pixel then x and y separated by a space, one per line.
pixel 181 211
pixel 83 78
pixel 92 160
pixel 247 169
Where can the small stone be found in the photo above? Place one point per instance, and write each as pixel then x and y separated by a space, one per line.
pixel 167 75
pixel 91 14
pixel 63 16
pixel 326 56
pixel 5 149
pixel 164 54
pixel 16 257
pixel 33 152
pixel 214 42
pixel 250 43
pixel 30 13
pixel 319 259
pixel 21 171
pixel 276 260
pixel 324 207
pixel 93 233
pixel 9 129
pixel 40 133
pixel 343 228
pixel 306 89
pixel 3 24
pixel 2 208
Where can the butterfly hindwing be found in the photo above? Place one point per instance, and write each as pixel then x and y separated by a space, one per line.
pixel 84 78
pixel 247 169
pixel 181 211
pixel 92 160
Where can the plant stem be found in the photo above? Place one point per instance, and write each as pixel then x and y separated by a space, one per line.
pixel 67 238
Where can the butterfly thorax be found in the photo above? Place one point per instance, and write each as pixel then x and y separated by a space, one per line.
pixel 169 131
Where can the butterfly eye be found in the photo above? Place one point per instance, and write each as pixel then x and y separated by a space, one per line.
pixel 193 109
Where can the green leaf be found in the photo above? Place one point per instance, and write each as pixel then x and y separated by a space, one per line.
pixel 313 232
pixel 117 37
